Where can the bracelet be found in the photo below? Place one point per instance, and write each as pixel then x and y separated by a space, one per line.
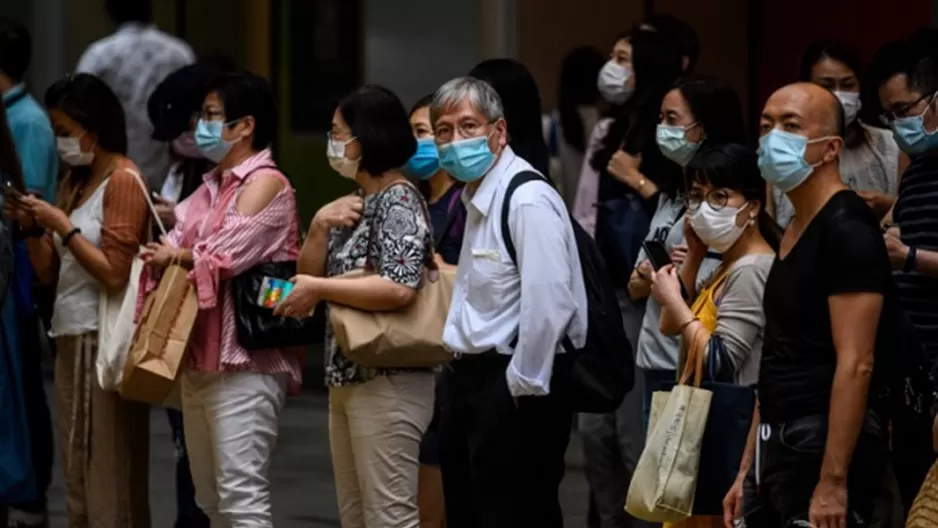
pixel 68 236
pixel 688 323
pixel 910 260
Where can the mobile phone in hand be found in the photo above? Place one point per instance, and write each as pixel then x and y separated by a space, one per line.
pixel 273 291
pixel 11 193
pixel 657 254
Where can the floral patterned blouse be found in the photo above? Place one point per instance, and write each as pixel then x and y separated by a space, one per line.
pixel 398 252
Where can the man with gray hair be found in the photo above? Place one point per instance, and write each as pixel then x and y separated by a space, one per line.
pixel 518 295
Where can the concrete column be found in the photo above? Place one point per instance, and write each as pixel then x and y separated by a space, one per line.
pixel 257 16
pixel 499 28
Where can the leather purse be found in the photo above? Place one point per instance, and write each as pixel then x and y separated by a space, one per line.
pixel 257 326
pixel 407 338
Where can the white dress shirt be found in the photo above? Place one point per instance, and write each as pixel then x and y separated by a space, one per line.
pixel 133 61
pixel 540 300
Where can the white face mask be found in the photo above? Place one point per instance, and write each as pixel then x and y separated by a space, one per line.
pixel 70 151
pixel 717 229
pixel 335 151
pixel 852 105
pixel 612 82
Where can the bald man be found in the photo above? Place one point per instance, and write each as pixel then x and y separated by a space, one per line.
pixel 822 446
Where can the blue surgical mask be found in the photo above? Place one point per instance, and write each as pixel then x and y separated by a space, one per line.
pixel 209 140
pixel 425 162
pixel 911 135
pixel 467 160
pixel 673 143
pixel 781 159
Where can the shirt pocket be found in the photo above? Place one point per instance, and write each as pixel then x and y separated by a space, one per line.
pixel 490 281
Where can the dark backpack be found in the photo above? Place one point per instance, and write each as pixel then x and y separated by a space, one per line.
pixel 604 369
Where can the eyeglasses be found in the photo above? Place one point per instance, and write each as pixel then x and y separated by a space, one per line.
pixel 888 117
pixel 717 198
pixel 465 129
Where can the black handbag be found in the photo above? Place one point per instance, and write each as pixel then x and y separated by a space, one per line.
pixel 258 328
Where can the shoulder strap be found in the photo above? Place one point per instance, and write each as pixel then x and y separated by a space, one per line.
pixel 146 194
pixel 516 181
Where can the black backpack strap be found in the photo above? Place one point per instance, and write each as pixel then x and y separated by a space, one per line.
pixel 516 181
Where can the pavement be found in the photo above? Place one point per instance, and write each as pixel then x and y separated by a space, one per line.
pixel 301 471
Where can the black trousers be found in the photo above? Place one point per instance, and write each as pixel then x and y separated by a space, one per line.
pixel 790 459
pixel 502 463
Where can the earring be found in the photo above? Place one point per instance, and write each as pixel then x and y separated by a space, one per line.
pixel 752 220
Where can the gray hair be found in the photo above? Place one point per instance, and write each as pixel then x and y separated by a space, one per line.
pixel 480 95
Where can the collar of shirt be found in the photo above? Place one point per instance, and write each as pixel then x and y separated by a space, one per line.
pixel 248 164
pixel 132 27
pixel 13 92
pixel 482 198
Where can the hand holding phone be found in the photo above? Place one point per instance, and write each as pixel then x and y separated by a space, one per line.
pixel 273 291
pixel 11 193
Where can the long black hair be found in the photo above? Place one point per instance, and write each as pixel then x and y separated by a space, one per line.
pixel 845 54
pixel 88 101
pixel 735 166
pixel 521 101
pixel 656 65
pixel 577 88
pixel 716 107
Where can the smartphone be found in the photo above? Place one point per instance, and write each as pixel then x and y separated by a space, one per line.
pixel 657 254
pixel 11 193
pixel 273 291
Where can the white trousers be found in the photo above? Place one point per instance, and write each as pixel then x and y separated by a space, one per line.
pixel 231 422
pixel 375 430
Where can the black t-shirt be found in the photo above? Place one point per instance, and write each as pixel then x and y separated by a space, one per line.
pixel 841 251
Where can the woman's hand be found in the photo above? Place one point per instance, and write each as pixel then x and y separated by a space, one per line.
pixel 679 255
pixel 165 210
pixel 47 215
pixel 624 167
pixel 159 255
pixel 666 286
pixel 15 210
pixel 302 299
pixel 344 212
pixel 879 202
pixel 695 246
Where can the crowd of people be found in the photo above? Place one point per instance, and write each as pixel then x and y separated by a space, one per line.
pixel 800 265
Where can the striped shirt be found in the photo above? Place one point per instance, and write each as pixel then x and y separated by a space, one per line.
pixel 225 243
pixel 916 213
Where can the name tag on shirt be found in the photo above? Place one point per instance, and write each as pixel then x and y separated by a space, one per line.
pixel 491 255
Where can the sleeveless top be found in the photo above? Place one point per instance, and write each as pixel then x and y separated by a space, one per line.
pixel 77 293
pixel 873 166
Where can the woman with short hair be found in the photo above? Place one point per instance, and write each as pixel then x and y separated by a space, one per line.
pixel 377 417
pixel 243 214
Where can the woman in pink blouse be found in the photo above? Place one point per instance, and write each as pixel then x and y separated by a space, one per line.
pixel 243 215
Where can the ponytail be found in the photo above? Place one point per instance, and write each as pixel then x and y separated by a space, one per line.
pixel 769 230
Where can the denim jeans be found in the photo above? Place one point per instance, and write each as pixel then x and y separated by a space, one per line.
pixel 188 514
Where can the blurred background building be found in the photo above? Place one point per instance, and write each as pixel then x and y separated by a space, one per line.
pixel 316 50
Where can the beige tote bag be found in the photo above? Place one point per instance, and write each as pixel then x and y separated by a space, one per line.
pixel 665 479
pixel 408 338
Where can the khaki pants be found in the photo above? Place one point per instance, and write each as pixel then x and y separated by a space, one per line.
pixel 375 430
pixel 105 443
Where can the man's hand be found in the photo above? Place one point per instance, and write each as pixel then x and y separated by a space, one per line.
pixel 733 502
pixel 344 212
pixel 829 504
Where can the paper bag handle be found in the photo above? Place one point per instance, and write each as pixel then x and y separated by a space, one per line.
pixel 695 356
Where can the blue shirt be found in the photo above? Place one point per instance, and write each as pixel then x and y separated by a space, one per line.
pixel 34 141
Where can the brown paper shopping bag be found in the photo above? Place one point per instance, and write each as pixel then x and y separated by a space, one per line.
pixel 159 344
